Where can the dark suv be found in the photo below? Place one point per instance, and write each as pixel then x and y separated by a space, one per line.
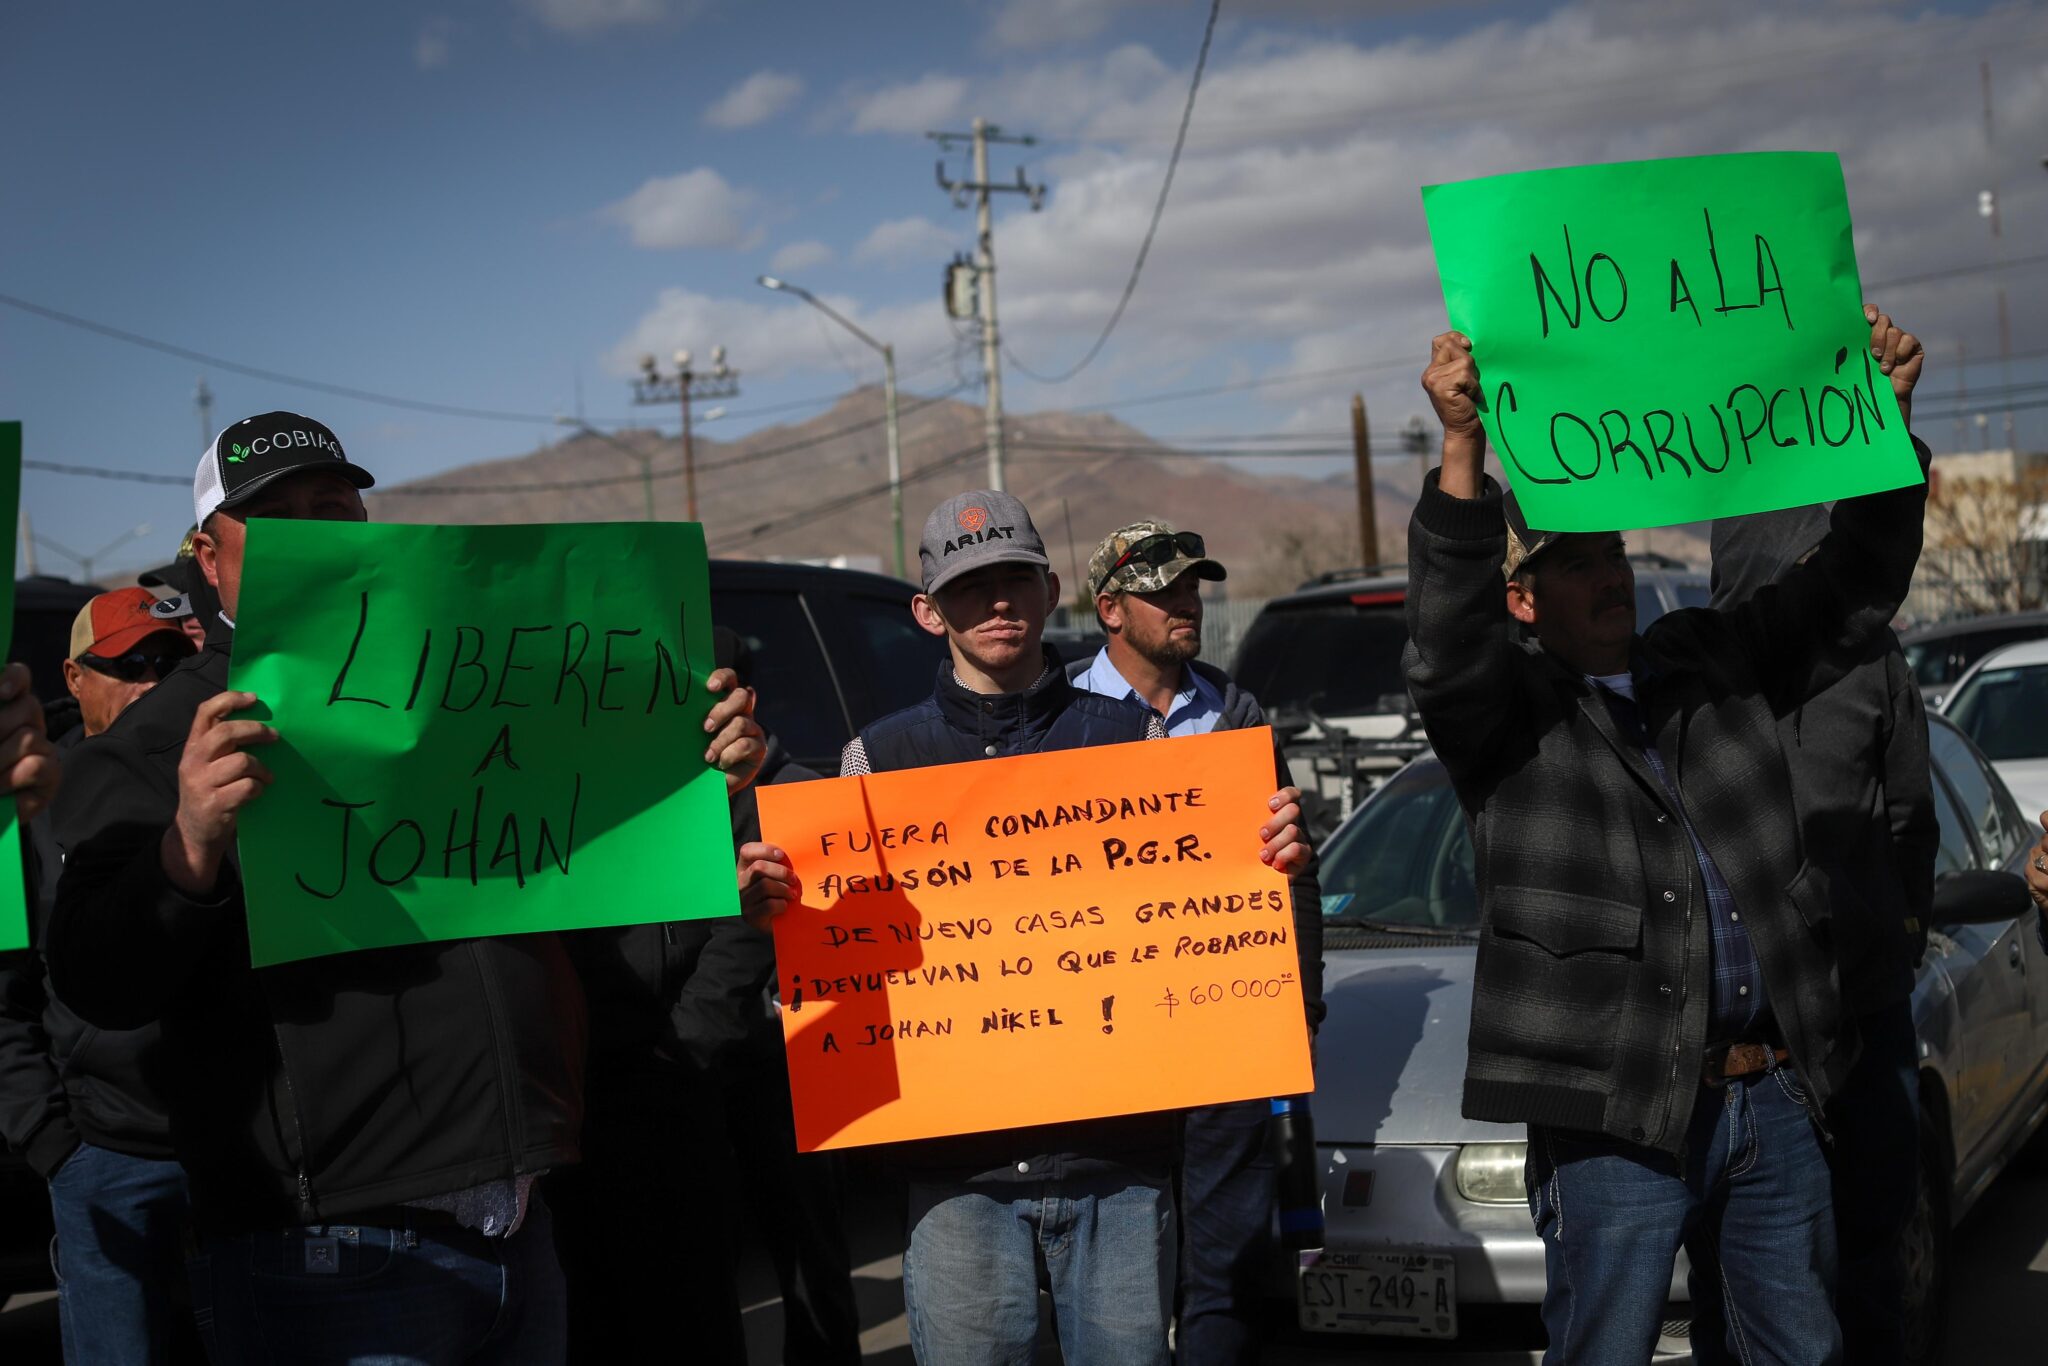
pixel 1941 654
pixel 1325 663
pixel 833 650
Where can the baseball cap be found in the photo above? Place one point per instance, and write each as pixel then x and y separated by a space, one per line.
pixel 970 530
pixel 181 575
pixel 112 624
pixel 1141 572
pixel 257 452
pixel 1525 543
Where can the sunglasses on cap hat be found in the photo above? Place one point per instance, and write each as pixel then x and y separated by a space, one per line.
pixel 1161 548
pixel 136 665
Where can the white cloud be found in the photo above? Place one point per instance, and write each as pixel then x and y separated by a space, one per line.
pixel 800 256
pixel 594 16
pixel 695 209
pixel 430 48
pixel 1023 24
pixel 1295 236
pixel 902 240
pixel 756 99
pixel 915 107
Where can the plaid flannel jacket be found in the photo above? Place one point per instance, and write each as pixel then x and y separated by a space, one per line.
pixel 1589 1006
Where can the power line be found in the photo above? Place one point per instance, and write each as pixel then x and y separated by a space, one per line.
pixel 844 501
pixel 95 472
pixel 1180 139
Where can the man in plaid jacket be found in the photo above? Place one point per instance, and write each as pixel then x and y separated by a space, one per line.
pixel 1656 993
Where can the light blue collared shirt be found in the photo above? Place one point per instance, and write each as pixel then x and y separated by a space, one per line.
pixel 1197 707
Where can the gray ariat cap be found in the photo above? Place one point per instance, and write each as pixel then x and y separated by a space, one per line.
pixel 970 530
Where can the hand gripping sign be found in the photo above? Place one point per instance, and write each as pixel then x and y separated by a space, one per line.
pixel 482 730
pixel 1669 341
pixel 1056 936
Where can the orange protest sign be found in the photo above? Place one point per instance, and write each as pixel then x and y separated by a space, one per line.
pixel 1021 941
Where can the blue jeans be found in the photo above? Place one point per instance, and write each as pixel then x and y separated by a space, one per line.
pixel 1750 1203
pixel 353 1295
pixel 1226 1214
pixel 120 1257
pixel 1103 1246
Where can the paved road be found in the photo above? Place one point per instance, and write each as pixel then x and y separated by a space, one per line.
pixel 1999 1312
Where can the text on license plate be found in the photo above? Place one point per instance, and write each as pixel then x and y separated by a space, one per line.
pixel 1400 1294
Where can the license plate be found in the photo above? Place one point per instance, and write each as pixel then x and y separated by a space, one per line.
pixel 1395 1294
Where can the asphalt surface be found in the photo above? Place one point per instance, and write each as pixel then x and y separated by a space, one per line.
pixel 1998 1309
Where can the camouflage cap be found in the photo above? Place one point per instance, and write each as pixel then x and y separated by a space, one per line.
pixel 1140 574
pixel 1525 542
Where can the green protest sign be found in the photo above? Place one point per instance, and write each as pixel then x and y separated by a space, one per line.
pixel 485 730
pixel 1669 341
pixel 13 895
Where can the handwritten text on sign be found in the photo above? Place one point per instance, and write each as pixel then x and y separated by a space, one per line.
pixel 1022 941
pixel 1669 341
pixel 484 730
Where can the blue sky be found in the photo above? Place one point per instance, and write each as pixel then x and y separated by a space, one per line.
pixel 481 203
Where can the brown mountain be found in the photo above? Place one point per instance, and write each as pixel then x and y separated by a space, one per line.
pixel 818 489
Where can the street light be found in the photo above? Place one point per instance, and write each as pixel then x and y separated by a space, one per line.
pixel 85 562
pixel 720 381
pixel 888 399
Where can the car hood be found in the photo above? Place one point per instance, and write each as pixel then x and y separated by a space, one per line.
pixel 2028 779
pixel 1390 1056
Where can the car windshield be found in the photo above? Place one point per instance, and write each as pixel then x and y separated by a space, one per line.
pixel 1334 657
pixel 1404 863
pixel 2005 711
pixel 1929 661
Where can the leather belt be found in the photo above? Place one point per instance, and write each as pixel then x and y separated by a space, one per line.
pixel 1724 1063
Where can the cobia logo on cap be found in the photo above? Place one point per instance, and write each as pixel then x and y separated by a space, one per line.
pixel 279 441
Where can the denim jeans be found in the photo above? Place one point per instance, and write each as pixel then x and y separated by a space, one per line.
pixel 354 1295
pixel 1102 1245
pixel 1750 1203
pixel 1226 1243
pixel 120 1259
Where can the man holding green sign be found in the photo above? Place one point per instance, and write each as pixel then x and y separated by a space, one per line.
pixel 386 1109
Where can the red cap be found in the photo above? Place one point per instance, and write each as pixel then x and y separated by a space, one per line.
pixel 114 623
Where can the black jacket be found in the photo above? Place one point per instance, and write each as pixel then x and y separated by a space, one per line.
pixel 1590 994
pixel 62 1080
pixel 1241 711
pixel 312 1092
pixel 682 994
pixel 1860 775
pixel 958 726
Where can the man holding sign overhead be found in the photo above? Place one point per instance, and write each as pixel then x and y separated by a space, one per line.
pixel 1656 994
pixel 363 1130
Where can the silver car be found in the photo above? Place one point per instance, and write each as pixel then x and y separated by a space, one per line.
pixel 1429 1234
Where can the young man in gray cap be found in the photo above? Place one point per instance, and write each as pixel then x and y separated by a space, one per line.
pixel 1146 580
pixel 362 1133
pixel 1087 1205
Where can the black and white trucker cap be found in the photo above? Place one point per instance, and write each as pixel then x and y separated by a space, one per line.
pixel 257 452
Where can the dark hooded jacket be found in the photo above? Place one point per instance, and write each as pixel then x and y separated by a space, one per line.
pixel 62 1080
pixel 1860 774
pixel 323 1091
pixel 1241 711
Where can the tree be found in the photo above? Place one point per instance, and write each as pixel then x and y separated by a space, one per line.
pixel 1984 528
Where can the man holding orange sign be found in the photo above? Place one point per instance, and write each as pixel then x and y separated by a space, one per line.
pixel 1088 1199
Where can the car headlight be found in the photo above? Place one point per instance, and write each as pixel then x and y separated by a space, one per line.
pixel 1491 1173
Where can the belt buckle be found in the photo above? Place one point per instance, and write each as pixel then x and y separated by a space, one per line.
pixel 1713 1065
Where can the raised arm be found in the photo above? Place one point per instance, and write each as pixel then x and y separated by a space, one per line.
pixel 1823 615
pixel 1459 656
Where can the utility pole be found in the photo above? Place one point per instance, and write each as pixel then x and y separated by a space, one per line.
pixel 981 187
pixel 28 545
pixel 1987 205
pixel 1368 516
pixel 721 381
pixel 204 398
